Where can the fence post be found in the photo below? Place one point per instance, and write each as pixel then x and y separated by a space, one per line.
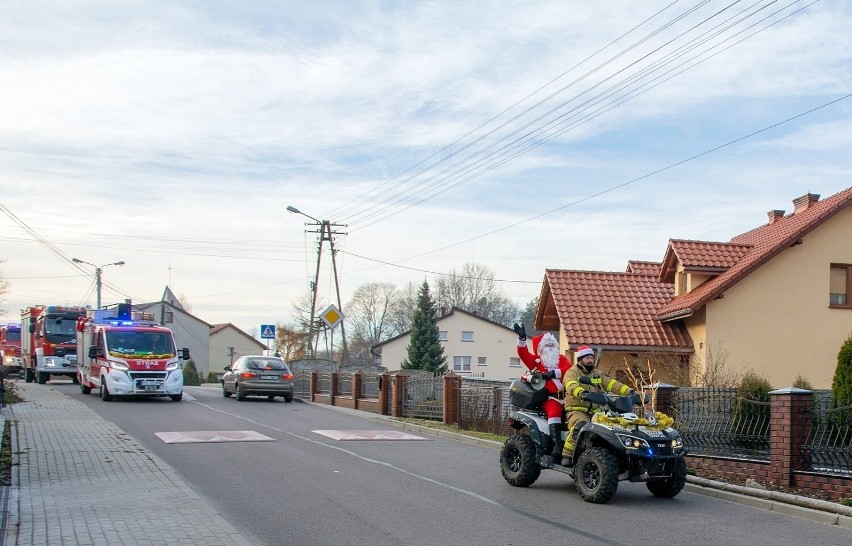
pixel 332 389
pixel 397 393
pixel 665 392
pixel 452 392
pixel 314 386
pixel 357 377
pixel 384 389
pixel 788 427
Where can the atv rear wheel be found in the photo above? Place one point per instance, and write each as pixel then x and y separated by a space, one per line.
pixel 517 461
pixel 671 486
pixel 596 475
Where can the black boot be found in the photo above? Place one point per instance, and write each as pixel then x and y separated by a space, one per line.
pixel 556 438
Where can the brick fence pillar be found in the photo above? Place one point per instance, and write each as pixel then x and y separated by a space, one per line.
pixel 357 379
pixel 665 393
pixel 788 426
pixel 314 386
pixel 332 388
pixel 397 393
pixel 452 392
pixel 384 391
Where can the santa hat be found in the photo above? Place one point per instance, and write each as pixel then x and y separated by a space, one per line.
pixel 584 350
pixel 537 339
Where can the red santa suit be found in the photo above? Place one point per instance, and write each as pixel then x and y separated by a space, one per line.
pixel 546 357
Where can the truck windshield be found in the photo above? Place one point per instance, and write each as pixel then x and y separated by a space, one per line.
pixel 13 335
pixel 140 344
pixel 61 328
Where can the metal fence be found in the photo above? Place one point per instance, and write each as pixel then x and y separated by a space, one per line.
pixel 424 396
pixel 828 446
pixel 715 421
pixel 484 406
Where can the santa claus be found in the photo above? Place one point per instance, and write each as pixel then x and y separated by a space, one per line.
pixel 546 359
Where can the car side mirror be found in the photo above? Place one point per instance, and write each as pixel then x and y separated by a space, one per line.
pixel 227 368
pixel 95 352
pixel 184 354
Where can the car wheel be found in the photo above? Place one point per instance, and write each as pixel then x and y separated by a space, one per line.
pixel 42 378
pixel 105 395
pixel 75 379
pixel 225 392
pixel 177 397
pixel 288 398
pixel 84 389
pixel 240 396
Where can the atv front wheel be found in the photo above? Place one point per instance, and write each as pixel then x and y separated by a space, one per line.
pixel 596 475
pixel 517 461
pixel 671 486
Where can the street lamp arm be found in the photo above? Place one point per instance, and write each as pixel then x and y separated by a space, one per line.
pixel 294 210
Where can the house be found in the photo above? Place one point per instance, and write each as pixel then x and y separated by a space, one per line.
pixel 473 346
pixel 189 330
pixel 228 343
pixel 774 300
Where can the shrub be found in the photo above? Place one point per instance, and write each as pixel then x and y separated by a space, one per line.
pixel 802 383
pixel 10 394
pixel 751 414
pixel 841 385
pixel 190 374
pixel 754 387
pixel 212 377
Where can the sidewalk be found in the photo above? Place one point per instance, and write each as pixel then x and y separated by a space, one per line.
pixel 79 479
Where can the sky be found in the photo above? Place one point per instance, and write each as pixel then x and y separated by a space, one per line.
pixel 521 136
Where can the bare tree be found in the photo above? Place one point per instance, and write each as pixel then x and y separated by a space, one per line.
pixel 370 317
pixel 4 287
pixel 406 306
pixel 475 290
pixel 716 372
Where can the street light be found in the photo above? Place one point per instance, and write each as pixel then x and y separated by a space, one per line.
pixel 325 234
pixel 98 271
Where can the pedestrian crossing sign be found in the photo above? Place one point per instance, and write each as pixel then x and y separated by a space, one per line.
pixel 331 316
pixel 267 331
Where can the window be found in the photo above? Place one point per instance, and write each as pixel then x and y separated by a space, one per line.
pixel 839 285
pixel 442 335
pixel 481 361
pixel 170 317
pixel 514 362
pixel 461 363
pixel 467 336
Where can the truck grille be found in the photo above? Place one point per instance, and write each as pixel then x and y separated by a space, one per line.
pixel 147 375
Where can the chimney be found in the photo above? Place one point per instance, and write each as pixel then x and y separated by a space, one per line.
pixel 443 312
pixel 802 203
pixel 775 215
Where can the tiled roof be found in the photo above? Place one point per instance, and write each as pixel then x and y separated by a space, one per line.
pixel 643 268
pixel 610 309
pixel 766 242
pixel 714 258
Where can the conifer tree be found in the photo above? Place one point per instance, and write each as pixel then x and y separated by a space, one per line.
pixel 841 386
pixel 424 348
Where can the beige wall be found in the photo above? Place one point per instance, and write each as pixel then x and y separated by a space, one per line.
pixel 776 322
pixel 495 343
pixel 230 337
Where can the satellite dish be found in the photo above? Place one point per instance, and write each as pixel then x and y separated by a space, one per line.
pixel 537 381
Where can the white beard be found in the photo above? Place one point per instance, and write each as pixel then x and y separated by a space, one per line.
pixel 549 356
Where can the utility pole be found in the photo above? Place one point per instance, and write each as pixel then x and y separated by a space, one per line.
pixel 325 232
pixel 98 273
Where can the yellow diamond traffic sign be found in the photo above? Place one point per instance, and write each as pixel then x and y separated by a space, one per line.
pixel 331 316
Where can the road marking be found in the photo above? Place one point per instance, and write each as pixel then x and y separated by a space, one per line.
pixel 368 435
pixel 212 436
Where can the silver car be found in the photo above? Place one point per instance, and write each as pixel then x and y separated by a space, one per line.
pixel 256 375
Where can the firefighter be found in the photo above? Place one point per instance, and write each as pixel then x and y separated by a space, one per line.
pixel 577 411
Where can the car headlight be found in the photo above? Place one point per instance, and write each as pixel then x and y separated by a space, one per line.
pixel 171 366
pixel 118 365
pixel 633 442
pixel 49 362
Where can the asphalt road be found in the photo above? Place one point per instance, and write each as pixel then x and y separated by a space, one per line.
pixel 305 488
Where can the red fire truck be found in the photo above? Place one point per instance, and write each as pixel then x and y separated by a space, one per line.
pixel 49 341
pixel 10 347
pixel 126 355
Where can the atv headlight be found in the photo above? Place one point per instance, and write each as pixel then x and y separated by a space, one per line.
pixel 677 443
pixel 632 442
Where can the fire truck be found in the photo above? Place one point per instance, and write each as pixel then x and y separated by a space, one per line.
pixel 127 354
pixel 49 341
pixel 10 347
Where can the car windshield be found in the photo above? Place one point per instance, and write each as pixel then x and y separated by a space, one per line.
pixel 266 364
pixel 142 344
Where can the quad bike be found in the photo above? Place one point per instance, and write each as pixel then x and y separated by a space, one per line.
pixel 615 445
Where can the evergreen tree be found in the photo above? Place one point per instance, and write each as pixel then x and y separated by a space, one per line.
pixel 841 386
pixel 424 348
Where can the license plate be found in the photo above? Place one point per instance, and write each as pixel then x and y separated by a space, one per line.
pixel 269 377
